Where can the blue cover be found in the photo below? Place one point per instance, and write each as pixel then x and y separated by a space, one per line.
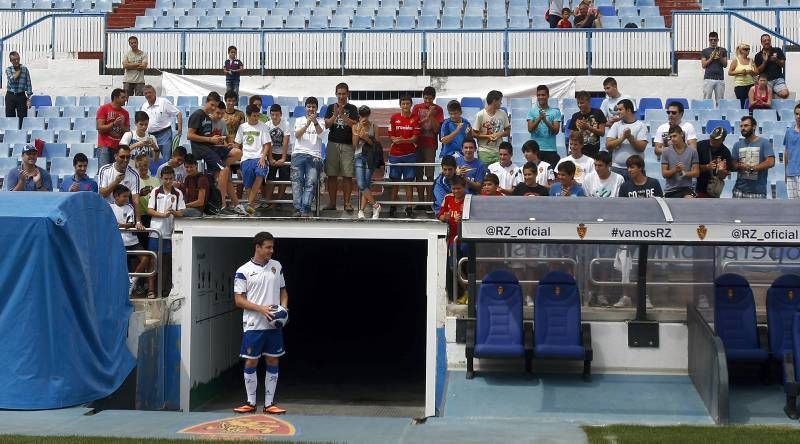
pixel 499 330
pixel 64 304
pixel 783 298
pixel 735 318
pixel 557 318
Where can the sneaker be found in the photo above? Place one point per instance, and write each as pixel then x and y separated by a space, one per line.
pixel 602 300
pixel 409 212
pixel 463 300
pixel 297 214
pixel 429 211
pixel 246 408
pixel 624 301
pixel 250 210
pixel 392 211
pixel 376 211
pixel 647 302
pixel 529 301
pixel 361 214
pixel 240 210
pixel 273 409
pixel 702 302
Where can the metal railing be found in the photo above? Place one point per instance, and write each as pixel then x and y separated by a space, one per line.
pixel 534 260
pixel 156 271
pixel 387 182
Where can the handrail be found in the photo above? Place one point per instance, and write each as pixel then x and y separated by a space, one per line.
pixel 536 260
pixel 158 255
pixel 47 17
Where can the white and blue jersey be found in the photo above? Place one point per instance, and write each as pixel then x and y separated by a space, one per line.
pixel 261 285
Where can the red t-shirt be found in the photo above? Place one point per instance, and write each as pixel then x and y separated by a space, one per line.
pixel 496 193
pixel 108 114
pixel 405 127
pixel 562 24
pixel 428 136
pixel 452 206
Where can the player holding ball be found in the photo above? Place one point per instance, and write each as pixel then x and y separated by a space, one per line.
pixel 260 291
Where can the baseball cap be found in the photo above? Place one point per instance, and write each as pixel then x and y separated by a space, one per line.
pixel 29 147
pixel 719 133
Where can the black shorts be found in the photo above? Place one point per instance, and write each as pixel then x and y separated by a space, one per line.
pixel 282 173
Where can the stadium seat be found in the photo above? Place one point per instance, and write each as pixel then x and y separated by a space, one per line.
pixel 596 102
pixel 729 104
pixel 735 319
pixel 52 150
pixel 66 101
pixel 280 4
pixel 6 164
pixel 88 101
pixel 58 4
pixel 15 136
pixel 697 104
pixel 85 148
pixel 245 4
pixel 558 332
pixel 175 12
pixel 649 11
pixel 84 123
pixel 187 22
pixel 196 12
pixel 59 123
pixel 23 4
pixel 144 22
pixel 188 101
pixel 405 22
pixel 340 22
pixel 625 19
pixel 318 22
pixel 33 123
pixel 251 22
pixel 42 4
pixel 42 134
pixel 704 115
pixel 627 10
pixel 231 22
pixel 496 22
pixel 427 22
pixel 683 101
pixel 711 124
pixel 498 331
pixel 154 12
pixel 17 148
pixel 654 22
pixel 384 22
pixel 519 22
pixel 362 22
pixel 472 22
pixel 299 110
pixel 471 102
pixel 764 115
pixel 646 103
pixel 73 111
pixel 208 22
pixel 164 22
pixel 292 22
pixel 37 101
pixel 783 300
pixel 68 136
pixel 8 123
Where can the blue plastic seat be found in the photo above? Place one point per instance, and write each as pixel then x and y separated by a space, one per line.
pixel 496 22
pixel 646 103
pixel 73 111
pixel 66 101
pixel 231 22
pixel 68 136
pixel 472 102
pixel 187 22
pixel 292 22
pixel 52 150
pixel 318 22
pixel 196 12
pixel 251 22
pixel 8 123
pixel 85 148
pixel 187 101
pixel 61 167
pixel 37 101
pixel 384 22
pixel 15 136
pixel 649 11
pixel 683 101
pixel 405 22
pixel 144 22
pixel 245 4
pixel 43 134
pixel 735 319
pixel 558 332
pixel 165 22
pixel 765 115
pixel 606 10
pixel 59 123
pixel 627 10
pixel 208 22
pixel 33 123
pixel 340 22
pixel 85 123
pixel 655 22
pixel 519 22
pixel 783 300
pixel 702 104
pixel 88 101
pixel 472 22
pixel 362 22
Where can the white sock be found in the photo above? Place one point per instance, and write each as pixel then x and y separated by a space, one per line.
pixel 271 381
pixel 251 384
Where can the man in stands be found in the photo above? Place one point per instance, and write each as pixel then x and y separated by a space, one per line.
pixel 565 185
pixel 307 158
pixel 714 60
pixel 715 159
pixel 543 124
pixel 177 163
pixel 18 88
pixel 679 165
pixel 627 136
pixel 403 130
pixel 602 182
pixel 454 131
pixel 638 184
pixel 544 170
pixel 583 164
pixel 492 125
pixel 586 17
pixel 661 137
pixel 28 176
pixel 530 186
pixel 752 158
pixel 119 172
pixel 505 170
pixel 442 184
pixel 79 181
pixel 134 63
pixel 771 61
pixel 589 122
pixel 554 11
pixel 613 97
pixel 470 167
pixel 430 116
pixel 340 153
pixel 196 188
pixel 161 112
pixel 792 156
pixel 112 122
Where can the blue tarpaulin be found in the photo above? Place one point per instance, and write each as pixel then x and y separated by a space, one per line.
pixel 64 304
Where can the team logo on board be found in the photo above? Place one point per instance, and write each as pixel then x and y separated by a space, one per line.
pixel 500 290
pixel 242 427
pixel 582 230
pixel 557 290
pixel 730 293
pixel 701 232
pixel 790 295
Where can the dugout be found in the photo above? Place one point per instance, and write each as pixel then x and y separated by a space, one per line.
pixel 599 228
pixel 364 300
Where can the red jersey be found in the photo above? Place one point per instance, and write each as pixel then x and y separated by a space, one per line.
pixel 451 206
pixel 496 193
pixel 405 127
pixel 428 131
pixel 108 114
pixel 564 24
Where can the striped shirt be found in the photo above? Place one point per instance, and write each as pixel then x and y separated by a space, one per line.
pixel 109 172
pixel 21 84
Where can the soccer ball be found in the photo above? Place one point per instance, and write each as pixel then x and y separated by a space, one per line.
pixel 280 316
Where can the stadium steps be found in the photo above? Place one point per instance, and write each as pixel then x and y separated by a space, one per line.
pixel 667 6
pixel 125 15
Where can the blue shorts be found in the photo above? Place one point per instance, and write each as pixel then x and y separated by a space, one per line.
pixel 215 158
pixel 404 173
pixel 166 245
pixel 258 343
pixel 249 169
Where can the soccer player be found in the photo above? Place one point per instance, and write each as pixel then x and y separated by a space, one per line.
pixel 257 285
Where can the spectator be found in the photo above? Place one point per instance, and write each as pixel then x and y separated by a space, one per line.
pixel 256 100
pixel 281 157
pixel 791 156
pixel 586 17
pixel 565 185
pixel 530 186
pixel 232 116
pixel 253 139
pixel 119 172
pixel 28 176
pixel 760 94
pixel 430 116
pixel 18 89
pixel 232 154
pixel 552 15
pixel 564 23
pixel 403 130
pixel 752 158
pixel 493 125
pixel 364 142
pixel 543 124
pixel 491 185
pixel 177 163
pixel 544 170
pixel 147 183
pixel 743 71
pixel 602 182
pixel 613 97
pixel 165 204
pixel 161 112
pixel 196 189
pixel 679 165
pixel 589 122
pixel 454 131
pixel 442 185
pixel 715 159
pixel 339 153
pixel 470 167
pixel 307 158
pixel 583 164
pixel 661 138
pixel 771 61
pixel 714 60
pixel 139 141
pixel 638 184
pixel 125 215
pixel 505 170
pixel 134 63
pixel 79 181
pixel 627 136
pixel 233 69
pixel 112 122
pixel 450 212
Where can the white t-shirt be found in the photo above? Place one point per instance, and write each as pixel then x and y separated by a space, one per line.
pixel 161 202
pixel 509 176
pixel 108 173
pixel 625 150
pixel 594 186
pixel 609 105
pixel 544 174
pixel 180 172
pixel 276 134
pixel 161 113
pixel 252 138
pixel 261 284
pixel 311 142
pixel 663 130
pixel 130 138
pixel 125 215
pixel 583 166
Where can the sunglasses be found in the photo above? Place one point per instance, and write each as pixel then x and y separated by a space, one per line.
pixel 672 112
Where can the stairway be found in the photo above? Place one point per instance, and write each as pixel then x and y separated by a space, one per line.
pixel 667 6
pixel 124 16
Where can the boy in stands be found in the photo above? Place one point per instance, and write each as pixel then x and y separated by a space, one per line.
pixel 638 184
pixel 232 69
pixel 253 139
pixel 403 130
pixel 196 189
pixel 232 116
pixel 491 186
pixel 281 159
pixel 544 171
pixel 470 167
pixel 430 117
pixel 450 212
pixel 166 203
pixel 566 186
pixel 583 164
pixel 505 170
pixel 139 140
pixel 79 181
pixel 226 188
pixel 176 161
pixel 442 186
pixel 258 285
pixel 492 125
pixel 530 186
pixel 123 211
pixel 454 131
pixel 602 182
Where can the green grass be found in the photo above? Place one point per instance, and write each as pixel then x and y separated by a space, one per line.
pixel 20 439
pixel 625 434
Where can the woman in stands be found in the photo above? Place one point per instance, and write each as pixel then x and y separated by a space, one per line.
pixel 364 143
pixel 742 70
pixel 760 94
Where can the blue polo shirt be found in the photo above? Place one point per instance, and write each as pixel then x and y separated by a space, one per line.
pixel 448 126
pixel 85 184
pixel 477 169
pixel 13 177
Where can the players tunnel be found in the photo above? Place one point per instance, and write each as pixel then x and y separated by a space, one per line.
pixel 362 335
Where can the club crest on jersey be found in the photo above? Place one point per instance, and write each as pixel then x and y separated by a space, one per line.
pixel 274 270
